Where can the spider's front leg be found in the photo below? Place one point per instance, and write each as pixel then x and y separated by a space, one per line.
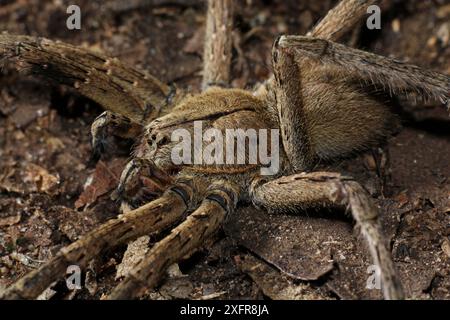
pixel 219 199
pixel 390 75
pixel 121 89
pixel 324 189
pixel 321 113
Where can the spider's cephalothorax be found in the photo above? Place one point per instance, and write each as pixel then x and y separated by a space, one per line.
pixel 316 108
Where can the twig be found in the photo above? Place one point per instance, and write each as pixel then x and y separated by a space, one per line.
pixel 124 90
pixel 218 43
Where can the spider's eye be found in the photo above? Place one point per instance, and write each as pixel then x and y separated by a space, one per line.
pixel 151 139
pixel 162 141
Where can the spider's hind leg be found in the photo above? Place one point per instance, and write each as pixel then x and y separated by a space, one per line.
pixel 115 86
pixel 387 74
pixel 325 189
pixel 150 218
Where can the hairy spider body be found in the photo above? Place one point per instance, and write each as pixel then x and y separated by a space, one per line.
pixel 317 99
pixel 340 120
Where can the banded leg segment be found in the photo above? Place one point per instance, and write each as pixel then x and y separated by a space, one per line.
pixel 321 189
pixel 181 242
pixel 291 109
pixel 152 217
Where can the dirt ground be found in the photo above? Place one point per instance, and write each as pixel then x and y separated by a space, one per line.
pixel 51 192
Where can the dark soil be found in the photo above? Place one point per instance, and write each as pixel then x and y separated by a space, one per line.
pixel 45 157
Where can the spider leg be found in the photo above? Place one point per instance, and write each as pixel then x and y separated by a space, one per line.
pixel 321 111
pixel 321 189
pixel 182 241
pixel 338 21
pixel 341 19
pixel 118 88
pixel 371 68
pixel 218 43
pixel 150 218
pixel 290 106
pixel 112 126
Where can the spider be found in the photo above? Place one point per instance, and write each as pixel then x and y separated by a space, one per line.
pixel 316 98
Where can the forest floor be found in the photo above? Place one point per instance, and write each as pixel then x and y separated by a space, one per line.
pixel 51 193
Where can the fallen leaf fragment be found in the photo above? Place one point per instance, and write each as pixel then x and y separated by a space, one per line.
pixel 105 178
pixel 9 221
pixel 274 284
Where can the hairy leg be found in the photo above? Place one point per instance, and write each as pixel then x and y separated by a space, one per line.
pixel 322 189
pixel 386 73
pixel 338 21
pixel 152 217
pixel 181 242
pixel 290 107
pixel 115 86
pixel 322 112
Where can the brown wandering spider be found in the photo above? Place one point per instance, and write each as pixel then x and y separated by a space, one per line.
pixel 316 98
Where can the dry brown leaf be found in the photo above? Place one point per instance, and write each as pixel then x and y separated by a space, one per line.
pixel 105 178
pixel 274 284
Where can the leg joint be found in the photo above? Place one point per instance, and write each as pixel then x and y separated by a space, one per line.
pixel 225 194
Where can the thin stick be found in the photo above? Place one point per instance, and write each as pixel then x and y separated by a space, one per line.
pixel 218 43
pixel 116 87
